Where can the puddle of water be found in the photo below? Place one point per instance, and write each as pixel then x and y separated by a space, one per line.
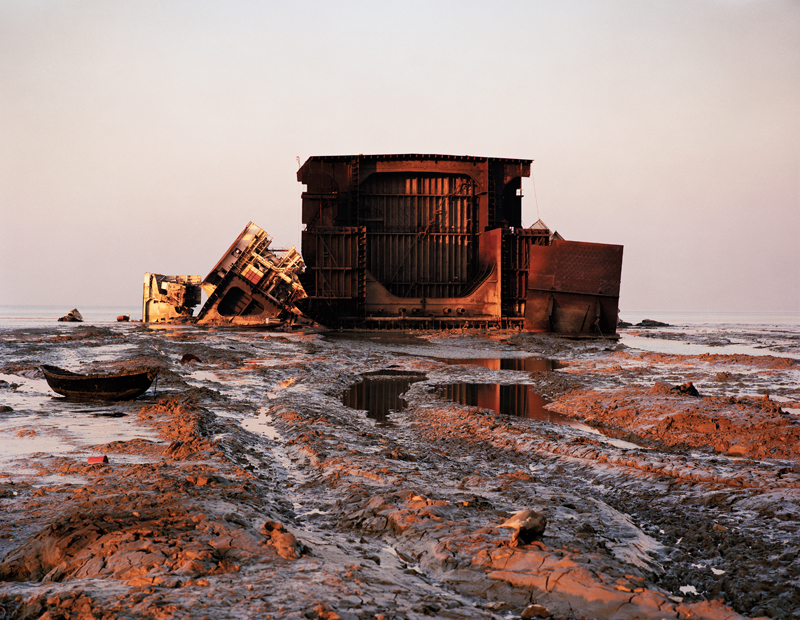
pixel 25 436
pixel 259 362
pixel 43 423
pixel 29 395
pixel 517 400
pixel 379 392
pixel 60 479
pixel 526 364
pixel 313 511
pixel 203 376
pixel 262 424
pixel 783 399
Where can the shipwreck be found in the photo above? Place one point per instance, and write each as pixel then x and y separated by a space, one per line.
pixel 406 241
pixel 169 298
pixel 251 285
pixel 436 241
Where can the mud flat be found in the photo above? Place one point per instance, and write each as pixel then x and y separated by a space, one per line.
pixel 310 475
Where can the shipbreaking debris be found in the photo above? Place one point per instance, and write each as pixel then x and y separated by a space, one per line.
pixel 167 298
pixel 253 285
pixel 407 241
pixel 73 316
pixel 436 241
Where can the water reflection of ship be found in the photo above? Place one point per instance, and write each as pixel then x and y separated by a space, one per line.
pixel 515 400
pixel 520 401
pixel 380 394
pixel 526 364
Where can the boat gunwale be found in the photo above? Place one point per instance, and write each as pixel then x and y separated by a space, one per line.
pixel 62 373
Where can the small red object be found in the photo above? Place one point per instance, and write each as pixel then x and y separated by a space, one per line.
pixel 98 459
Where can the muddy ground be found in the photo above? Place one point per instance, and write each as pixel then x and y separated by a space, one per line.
pixel 242 486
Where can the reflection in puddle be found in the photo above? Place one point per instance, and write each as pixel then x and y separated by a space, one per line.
pixel 379 392
pixel 517 400
pixel 527 364
pixel 262 424
pixel 784 408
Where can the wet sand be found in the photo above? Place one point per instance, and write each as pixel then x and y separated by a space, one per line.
pixel 305 475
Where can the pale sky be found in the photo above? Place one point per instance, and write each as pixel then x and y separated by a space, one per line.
pixel 143 136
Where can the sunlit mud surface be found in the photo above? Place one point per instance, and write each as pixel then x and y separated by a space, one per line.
pixel 346 475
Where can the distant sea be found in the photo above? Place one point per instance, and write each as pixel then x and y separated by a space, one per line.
pixel 712 318
pixel 37 316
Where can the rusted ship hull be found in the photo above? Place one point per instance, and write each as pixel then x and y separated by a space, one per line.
pixel 573 288
pixel 395 241
pixel 252 285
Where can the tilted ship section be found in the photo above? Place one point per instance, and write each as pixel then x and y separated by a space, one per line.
pixel 436 241
pixel 253 285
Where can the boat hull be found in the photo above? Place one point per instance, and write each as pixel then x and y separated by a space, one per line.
pixel 119 386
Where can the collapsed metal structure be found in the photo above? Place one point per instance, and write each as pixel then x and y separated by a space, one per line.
pixel 432 241
pixel 398 241
pixel 251 285
pixel 167 298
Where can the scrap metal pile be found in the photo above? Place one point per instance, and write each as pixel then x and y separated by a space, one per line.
pixel 251 285
pixel 167 298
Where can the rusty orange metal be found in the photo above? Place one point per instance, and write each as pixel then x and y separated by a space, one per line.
pixel 573 288
pixel 417 240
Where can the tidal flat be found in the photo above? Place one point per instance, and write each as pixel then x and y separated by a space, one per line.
pixel 314 474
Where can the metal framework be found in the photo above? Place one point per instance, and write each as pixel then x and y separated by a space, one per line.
pixel 394 241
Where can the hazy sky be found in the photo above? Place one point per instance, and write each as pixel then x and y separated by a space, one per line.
pixel 143 136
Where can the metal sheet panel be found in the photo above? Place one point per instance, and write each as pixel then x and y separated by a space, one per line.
pixel 576 267
pixel 573 288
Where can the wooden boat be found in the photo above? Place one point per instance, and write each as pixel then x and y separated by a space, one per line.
pixel 116 386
